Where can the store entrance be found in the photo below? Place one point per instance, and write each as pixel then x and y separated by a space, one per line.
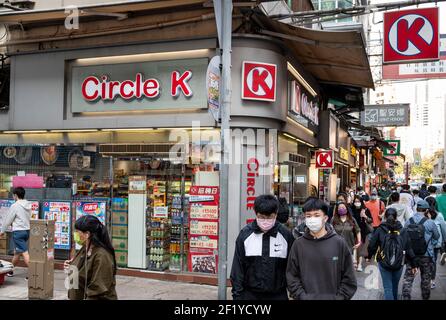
pixel 166 212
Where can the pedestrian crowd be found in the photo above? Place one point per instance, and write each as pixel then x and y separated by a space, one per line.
pixel 402 230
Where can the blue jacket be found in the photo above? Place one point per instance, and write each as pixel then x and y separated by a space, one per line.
pixel 431 235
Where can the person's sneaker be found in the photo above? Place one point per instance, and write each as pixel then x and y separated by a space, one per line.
pixel 359 268
pixel 443 258
pixel 433 285
pixel 10 274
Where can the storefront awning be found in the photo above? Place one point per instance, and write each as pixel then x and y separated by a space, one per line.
pixel 336 57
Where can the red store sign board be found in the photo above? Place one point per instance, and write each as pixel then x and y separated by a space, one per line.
pixel 259 81
pixel 324 159
pixel 411 35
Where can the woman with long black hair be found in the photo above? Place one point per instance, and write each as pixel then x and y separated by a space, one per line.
pixel 364 219
pixel 95 262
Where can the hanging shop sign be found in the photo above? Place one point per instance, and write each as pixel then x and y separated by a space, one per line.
pixel 302 107
pixel 411 35
pixel 152 85
pixel 324 159
pixel 259 81
pixel 353 151
pixel 213 86
pixel 343 153
pixel 386 115
pixel 396 144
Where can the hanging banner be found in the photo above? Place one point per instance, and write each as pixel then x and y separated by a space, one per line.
pixel 393 152
pixel 213 77
pixel 386 115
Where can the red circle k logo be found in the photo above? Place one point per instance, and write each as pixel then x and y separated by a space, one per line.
pixel 411 35
pixel 259 81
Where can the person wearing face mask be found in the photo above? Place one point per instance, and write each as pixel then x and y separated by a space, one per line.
pixel 261 254
pixel 320 265
pixel 341 198
pixel 364 219
pixel 376 208
pixel 384 193
pixel 95 262
pixel 347 227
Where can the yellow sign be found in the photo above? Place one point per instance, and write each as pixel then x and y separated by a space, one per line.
pixel 343 153
pixel 353 150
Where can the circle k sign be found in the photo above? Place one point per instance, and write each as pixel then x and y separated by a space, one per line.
pixel 259 81
pixel 411 35
pixel 324 159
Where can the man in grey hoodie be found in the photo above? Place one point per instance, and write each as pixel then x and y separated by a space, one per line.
pixel 320 266
pixel 19 217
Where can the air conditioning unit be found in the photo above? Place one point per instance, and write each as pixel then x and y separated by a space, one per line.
pixel 289 157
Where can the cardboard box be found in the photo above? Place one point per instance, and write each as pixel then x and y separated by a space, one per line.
pixel 120 243
pixel 119 218
pixel 121 258
pixel 119 231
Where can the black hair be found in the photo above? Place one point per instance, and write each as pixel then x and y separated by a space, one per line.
pixel 416 191
pixel 99 234
pixel 391 217
pixel 19 192
pixel 433 213
pixel 314 204
pixel 360 188
pixel 432 189
pixel 284 211
pixel 395 197
pixel 431 201
pixel 444 187
pixel 358 197
pixel 423 186
pixel 343 195
pixel 405 187
pixel 266 204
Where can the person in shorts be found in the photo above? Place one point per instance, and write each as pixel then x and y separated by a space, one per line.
pixel 19 217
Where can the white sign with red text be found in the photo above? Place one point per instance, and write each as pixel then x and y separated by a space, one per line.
pixel 151 85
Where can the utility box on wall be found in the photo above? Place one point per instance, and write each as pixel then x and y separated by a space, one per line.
pixel 41 256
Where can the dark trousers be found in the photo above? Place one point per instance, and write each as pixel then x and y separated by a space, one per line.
pixel 391 279
pixel 250 295
pixel 425 265
pixel 434 265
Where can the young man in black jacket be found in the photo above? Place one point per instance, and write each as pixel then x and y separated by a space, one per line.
pixel 261 255
pixel 320 266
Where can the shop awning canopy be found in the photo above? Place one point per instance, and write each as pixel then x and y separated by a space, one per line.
pixel 336 57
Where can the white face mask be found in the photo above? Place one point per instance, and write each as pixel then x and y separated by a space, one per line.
pixel 315 224
pixel 358 204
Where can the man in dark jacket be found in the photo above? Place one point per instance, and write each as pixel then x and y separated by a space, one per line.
pixel 423 191
pixel 320 266
pixel 261 255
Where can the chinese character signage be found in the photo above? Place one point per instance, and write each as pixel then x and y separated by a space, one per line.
pixel 386 115
pixel 343 153
pixel 203 229
pixel 393 152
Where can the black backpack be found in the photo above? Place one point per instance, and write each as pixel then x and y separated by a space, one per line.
pixel 416 232
pixel 392 250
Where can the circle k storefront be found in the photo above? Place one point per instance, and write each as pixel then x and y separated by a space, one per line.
pixel 135 127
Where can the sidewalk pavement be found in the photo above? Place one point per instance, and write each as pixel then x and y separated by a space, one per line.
pixel 133 288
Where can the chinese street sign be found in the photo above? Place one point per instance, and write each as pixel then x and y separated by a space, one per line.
pixel 386 115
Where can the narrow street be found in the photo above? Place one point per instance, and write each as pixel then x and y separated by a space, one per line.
pixel 132 288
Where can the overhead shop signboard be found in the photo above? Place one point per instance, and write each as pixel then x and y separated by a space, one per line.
pixel 386 115
pixel 302 106
pixel 411 35
pixel 396 144
pixel 136 86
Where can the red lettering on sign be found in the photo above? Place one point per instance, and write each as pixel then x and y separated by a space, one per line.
pixel 180 83
pixel 87 81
